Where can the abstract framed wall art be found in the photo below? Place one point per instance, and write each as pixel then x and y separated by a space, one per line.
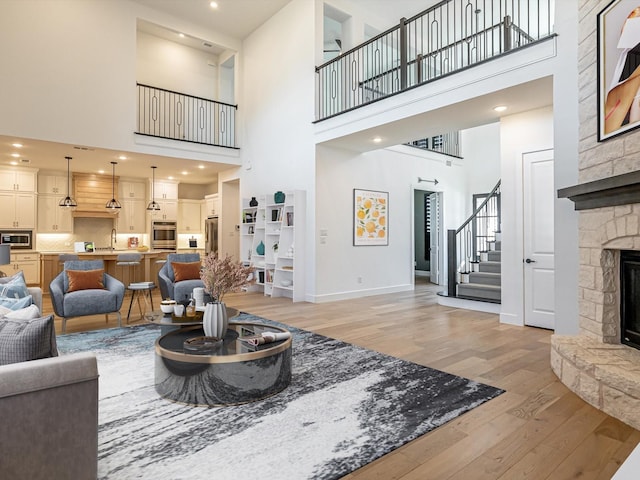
pixel 370 217
pixel 618 26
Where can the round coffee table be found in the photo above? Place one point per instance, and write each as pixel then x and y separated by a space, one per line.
pixel 232 374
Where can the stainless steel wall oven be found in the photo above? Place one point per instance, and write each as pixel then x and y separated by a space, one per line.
pixel 164 235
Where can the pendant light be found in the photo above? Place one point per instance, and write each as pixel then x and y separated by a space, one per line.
pixel 113 203
pixel 153 205
pixel 67 201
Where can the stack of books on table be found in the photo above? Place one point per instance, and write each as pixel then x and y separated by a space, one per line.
pixel 141 284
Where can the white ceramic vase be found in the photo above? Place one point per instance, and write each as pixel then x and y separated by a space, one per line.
pixel 214 319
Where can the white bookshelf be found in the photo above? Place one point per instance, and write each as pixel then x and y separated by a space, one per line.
pixel 280 227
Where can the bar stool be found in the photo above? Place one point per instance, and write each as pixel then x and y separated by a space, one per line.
pixel 65 257
pixel 131 261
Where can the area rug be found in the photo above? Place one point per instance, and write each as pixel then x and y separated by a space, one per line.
pixel 345 407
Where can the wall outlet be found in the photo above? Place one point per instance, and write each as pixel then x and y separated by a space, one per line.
pixel 359 279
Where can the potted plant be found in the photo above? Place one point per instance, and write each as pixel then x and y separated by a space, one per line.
pixel 221 276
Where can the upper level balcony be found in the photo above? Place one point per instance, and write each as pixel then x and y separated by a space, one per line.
pixel 447 38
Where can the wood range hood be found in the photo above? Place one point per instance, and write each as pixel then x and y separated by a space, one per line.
pixel 92 192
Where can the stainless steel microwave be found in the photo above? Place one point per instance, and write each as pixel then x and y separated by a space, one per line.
pixel 18 239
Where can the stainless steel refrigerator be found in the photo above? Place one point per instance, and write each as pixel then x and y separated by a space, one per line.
pixel 211 235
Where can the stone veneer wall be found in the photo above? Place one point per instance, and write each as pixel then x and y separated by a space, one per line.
pixel 594 364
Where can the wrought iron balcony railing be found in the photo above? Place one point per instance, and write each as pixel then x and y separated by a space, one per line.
pixel 166 114
pixel 446 38
pixel 446 143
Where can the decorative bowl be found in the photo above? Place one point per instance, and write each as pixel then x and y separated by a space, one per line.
pixel 286 283
pixel 143 248
pixel 167 308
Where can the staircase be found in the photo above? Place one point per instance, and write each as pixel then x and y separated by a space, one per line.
pixel 483 282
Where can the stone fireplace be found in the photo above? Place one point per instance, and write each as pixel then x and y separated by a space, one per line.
pixel 595 364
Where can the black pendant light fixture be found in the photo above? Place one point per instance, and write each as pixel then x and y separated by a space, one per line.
pixel 153 205
pixel 67 201
pixel 113 203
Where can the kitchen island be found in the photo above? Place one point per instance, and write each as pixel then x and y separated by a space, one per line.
pixel 146 272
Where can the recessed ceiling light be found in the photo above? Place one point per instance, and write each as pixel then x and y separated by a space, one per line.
pixel 17 145
pixel 170 177
pixel 184 172
pixel 377 139
pixel 500 108
pixel 122 157
pixel 13 162
pixel 201 167
pixel 181 35
pixel 213 4
pixel 15 155
pixel 101 172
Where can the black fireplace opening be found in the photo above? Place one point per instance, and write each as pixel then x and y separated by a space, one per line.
pixel 630 298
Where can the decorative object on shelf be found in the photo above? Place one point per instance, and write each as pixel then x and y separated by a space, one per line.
pixel 253 202
pixel 153 205
pixel 215 320
pixel 260 248
pixel 279 197
pixel 198 296
pixel 113 204
pixel 68 201
pixel 370 217
pixel 275 247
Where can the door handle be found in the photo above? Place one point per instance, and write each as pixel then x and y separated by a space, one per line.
pixel 528 260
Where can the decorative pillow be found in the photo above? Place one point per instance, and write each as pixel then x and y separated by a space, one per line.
pixel 14 286
pixel 29 313
pixel 186 271
pixel 16 303
pixel 85 279
pixel 23 340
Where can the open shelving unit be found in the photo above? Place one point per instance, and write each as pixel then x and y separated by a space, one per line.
pixel 272 241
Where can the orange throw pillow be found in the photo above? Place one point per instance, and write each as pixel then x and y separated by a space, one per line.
pixel 186 271
pixel 85 279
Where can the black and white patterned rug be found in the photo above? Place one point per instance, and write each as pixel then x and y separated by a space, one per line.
pixel 345 407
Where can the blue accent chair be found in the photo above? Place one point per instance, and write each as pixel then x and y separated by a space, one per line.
pixel 85 302
pixel 166 279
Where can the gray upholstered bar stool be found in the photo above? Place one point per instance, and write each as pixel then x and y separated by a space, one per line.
pixel 66 257
pixel 131 261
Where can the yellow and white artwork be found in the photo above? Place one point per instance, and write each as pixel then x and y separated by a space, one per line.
pixel 371 219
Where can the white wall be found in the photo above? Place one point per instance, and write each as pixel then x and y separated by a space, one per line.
pixel 481 152
pixel 383 269
pixel 164 64
pixel 277 103
pixel 69 74
pixel 525 132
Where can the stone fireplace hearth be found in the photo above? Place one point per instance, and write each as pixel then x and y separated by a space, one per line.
pixel 595 364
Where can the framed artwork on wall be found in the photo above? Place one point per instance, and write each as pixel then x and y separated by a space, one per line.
pixel 618 27
pixel 370 217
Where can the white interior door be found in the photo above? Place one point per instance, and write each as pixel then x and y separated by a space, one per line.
pixel 435 220
pixel 538 261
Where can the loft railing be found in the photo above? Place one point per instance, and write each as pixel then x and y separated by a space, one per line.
pixel 446 38
pixel 167 114
pixel 472 238
pixel 447 144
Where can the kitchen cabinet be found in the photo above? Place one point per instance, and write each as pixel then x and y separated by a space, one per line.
pixel 132 217
pixel 28 263
pixel 18 180
pixel 53 184
pixel 165 190
pixel 189 216
pixel 132 190
pixel 18 210
pixel 168 210
pixel 52 218
pixel 211 205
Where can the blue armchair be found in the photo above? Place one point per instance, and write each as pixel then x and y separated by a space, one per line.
pixel 169 288
pixel 92 301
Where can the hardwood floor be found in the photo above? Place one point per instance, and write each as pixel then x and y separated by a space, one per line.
pixel 538 429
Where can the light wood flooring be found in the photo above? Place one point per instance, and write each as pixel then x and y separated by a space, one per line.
pixel 538 429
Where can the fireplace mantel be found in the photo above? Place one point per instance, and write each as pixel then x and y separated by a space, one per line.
pixel 619 190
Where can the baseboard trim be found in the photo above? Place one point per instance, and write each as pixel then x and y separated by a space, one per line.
pixel 333 297
pixel 469 304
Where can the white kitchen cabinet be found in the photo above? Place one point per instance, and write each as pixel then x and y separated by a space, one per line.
pixel 18 210
pixel 132 216
pixel 165 190
pixel 53 184
pixel 212 205
pixel 132 190
pixel 52 218
pixel 168 210
pixel 29 263
pixel 189 216
pixel 18 180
